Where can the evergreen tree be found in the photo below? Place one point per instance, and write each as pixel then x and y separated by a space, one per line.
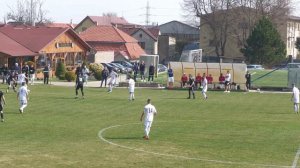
pixel 264 45
pixel 60 71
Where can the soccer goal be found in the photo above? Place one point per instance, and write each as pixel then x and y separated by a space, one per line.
pixel 293 74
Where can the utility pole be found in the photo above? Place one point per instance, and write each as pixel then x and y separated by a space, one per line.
pixel 31 13
pixel 148 14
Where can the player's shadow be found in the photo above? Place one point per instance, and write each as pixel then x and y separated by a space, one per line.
pixel 124 138
pixel 178 98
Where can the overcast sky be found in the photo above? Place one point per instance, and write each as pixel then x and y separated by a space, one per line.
pixel 134 11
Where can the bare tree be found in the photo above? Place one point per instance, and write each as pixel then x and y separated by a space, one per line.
pixel 28 12
pixel 213 14
pixel 234 18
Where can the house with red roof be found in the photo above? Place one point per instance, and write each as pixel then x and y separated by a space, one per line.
pixel 91 21
pixel 63 25
pixel 110 43
pixel 41 45
pixel 146 39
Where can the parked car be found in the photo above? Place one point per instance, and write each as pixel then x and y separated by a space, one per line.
pixel 128 69
pixel 161 68
pixel 122 68
pixel 255 67
pixel 110 67
pixel 124 63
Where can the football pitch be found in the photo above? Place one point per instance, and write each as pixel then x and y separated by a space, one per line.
pixel 235 130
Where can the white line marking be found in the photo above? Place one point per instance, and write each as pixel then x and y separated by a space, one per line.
pixel 296 158
pixel 100 135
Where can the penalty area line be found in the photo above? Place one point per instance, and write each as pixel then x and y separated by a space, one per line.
pixel 100 135
pixel 296 158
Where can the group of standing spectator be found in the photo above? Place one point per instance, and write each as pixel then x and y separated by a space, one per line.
pixel 11 75
pixel 139 68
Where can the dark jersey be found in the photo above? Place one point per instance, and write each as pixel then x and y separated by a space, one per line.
pixel 170 73
pixel 79 80
pixel 191 83
pixel 151 70
pixel 248 77
pixel 1 100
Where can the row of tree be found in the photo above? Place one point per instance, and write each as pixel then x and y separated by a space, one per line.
pixel 29 12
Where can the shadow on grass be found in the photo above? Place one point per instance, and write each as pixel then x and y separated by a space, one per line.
pixel 178 98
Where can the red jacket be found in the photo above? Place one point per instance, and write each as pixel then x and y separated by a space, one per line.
pixel 184 78
pixel 198 78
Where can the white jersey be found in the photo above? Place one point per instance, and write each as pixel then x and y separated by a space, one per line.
pixel 131 84
pixel 21 78
pixel 113 76
pixel 149 111
pixel 228 77
pixel 204 85
pixel 296 94
pixel 23 92
pixel 85 72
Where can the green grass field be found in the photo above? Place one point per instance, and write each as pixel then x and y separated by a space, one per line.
pixel 278 78
pixel 233 130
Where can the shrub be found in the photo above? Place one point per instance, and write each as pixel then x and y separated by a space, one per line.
pixel 29 63
pixel 98 75
pixel 70 76
pixel 96 70
pixel 60 71
pixel 94 67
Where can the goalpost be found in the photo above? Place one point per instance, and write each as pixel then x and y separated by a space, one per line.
pixel 293 74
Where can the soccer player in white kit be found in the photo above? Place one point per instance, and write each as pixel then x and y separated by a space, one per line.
pixel 22 78
pixel 204 86
pixel 131 85
pixel 295 98
pixel 148 114
pixel 227 82
pixel 113 77
pixel 23 97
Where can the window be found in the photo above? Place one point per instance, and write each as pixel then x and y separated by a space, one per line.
pixel 42 61
pixel 78 58
pixel 141 35
pixel 70 59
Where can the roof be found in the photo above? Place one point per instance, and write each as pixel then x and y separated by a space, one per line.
pixel 291 17
pixel 33 38
pixel 106 34
pixel 133 30
pixel 155 31
pixel 109 38
pixel 36 38
pixel 10 47
pixel 175 21
pixel 105 21
pixel 62 25
pixel 108 20
pixel 132 50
